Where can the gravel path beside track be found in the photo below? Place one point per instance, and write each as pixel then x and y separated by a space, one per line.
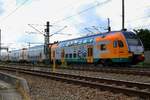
pixel 135 78
pixel 46 89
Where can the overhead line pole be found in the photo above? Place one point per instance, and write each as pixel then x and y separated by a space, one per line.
pixel 5 48
pixel 47 35
pixel 109 28
pixel 47 51
pixel 123 15
pixel 0 44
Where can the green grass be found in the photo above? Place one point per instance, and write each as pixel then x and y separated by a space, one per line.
pixel 144 64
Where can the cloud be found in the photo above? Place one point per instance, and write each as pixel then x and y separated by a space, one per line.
pixel 35 13
pixel 111 10
pixel 135 10
pixel 80 18
pixel 55 11
pixel 25 38
pixel 21 2
pixel 90 18
pixel 1 7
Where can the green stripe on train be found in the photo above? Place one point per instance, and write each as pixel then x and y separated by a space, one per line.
pixel 121 60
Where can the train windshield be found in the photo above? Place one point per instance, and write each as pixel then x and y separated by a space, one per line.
pixel 132 39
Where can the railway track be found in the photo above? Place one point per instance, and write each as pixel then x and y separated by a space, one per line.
pixel 117 86
pixel 144 71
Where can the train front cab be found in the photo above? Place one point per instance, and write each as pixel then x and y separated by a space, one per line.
pixel 135 47
pixel 114 49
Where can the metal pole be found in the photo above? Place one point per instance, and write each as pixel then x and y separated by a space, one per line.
pixel 0 44
pixel 109 28
pixel 46 44
pixel 47 31
pixel 123 19
pixel 54 64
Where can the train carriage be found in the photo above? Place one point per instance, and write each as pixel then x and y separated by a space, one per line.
pixel 36 54
pixel 118 47
pixel 14 55
pixel 4 56
pixel 23 55
pixel 73 50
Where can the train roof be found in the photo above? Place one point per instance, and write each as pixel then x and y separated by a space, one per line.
pixel 86 39
pixel 37 46
pixel 15 50
pixel 90 36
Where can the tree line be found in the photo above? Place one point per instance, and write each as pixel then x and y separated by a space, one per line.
pixel 144 35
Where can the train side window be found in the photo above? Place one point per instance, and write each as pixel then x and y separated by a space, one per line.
pixel 84 41
pixel 79 42
pixel 120 43
pixel 66 55
pixel 115 44
pixel 75 42
pixel 103 47
pixel 74 55
pixel 70 55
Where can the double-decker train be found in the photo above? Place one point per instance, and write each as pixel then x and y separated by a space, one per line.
pixel 116 47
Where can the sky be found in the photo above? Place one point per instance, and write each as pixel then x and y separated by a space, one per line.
pixel 80 16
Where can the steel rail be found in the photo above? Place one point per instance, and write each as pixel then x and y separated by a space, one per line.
pixel 126 87
pixel 117 70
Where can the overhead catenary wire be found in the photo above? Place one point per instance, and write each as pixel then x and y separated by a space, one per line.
pixel 83 11
pixel 92 7
pixel 80 12
pixel 136 19
pixel 141 27
pixel 139 19
pixel 13 11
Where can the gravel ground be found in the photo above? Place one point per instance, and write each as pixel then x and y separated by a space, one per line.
pixel 47 89
pixel 135 78
pixel 126 77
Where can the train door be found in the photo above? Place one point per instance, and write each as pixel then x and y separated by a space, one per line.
pixel 115 49
pixel 122 51
pixel 53 55
pixel 54 60
pixel 119 50
pixel 90 54
pixel 62 56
